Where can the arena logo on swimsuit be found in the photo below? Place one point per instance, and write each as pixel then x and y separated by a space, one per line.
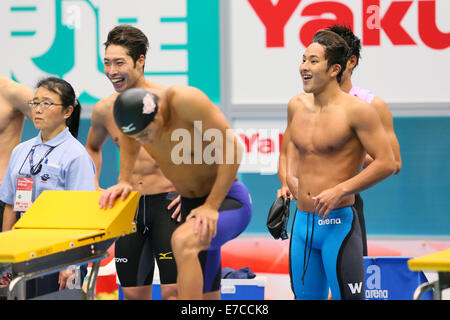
pixel 322 222
pixel 276 15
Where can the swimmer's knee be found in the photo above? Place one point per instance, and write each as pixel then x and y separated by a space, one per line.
pixel 185 241
pixel 178 239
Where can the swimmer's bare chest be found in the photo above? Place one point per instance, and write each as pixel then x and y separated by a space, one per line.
pixel 176 159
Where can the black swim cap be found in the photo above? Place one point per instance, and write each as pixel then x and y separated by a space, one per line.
pixel 134 109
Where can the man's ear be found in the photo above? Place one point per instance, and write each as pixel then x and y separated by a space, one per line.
pixel 140 62
pixel 351 63
pixel 335 70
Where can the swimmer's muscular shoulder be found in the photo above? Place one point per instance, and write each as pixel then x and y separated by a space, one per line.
pixel 14 99
pixel 190 104
pixel 103 110
pixel 179 96
pixel 15 93
pixel 7 88
pixel 299 103
pixel 155 85
pixel 357 110
pixel 5 97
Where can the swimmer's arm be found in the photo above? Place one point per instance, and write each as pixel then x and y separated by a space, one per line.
pixel 388 124
pixel 97 137
pixel 282 159
pixel 292 169
pixel 290 186
pixel 191 105
pixel 207 215
pixel 372 136
pixel 367 160
pixel 226 174
pixel 367 126
pixel 129 151
pixel 285 162
pixel 9 218
pixel 19 95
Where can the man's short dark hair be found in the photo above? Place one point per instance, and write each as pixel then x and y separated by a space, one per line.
pixel 347 34
pixel 336 49
pixel 129 37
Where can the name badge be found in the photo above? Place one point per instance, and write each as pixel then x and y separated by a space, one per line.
pixel 24 194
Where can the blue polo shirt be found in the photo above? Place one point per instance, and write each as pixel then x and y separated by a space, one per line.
pixel 67 166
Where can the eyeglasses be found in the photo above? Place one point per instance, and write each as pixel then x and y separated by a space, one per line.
pixel 43 104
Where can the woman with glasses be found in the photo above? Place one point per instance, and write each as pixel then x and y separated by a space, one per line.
pixel 53 160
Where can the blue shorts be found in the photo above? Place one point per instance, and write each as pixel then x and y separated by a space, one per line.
pixel 327 254
pixel 234 216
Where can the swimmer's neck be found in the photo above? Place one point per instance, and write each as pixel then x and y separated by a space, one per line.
pixel 142 82
pixel 49 134
pixel 327 96
pixel 347 85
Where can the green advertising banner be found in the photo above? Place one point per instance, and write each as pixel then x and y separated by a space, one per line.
pixel 65 38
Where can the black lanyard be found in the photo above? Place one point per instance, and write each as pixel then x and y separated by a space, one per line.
pixel 35 169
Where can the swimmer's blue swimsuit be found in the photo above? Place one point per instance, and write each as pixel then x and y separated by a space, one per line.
pixel 327 253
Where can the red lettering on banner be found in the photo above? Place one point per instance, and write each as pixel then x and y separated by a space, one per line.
pixel 249 141
pixel 280 139
pixel 428 31
pixel 390 23
pixel 344 16
pixel 274 18
pixel 266 146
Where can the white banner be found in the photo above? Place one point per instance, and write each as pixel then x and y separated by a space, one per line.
pixel 262 142
pixel 405 47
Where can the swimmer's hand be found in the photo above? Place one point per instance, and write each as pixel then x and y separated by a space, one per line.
pixel 285 193
pixel 64 277
pixel 108 197
pixel 327 200
pixel 205 218
pixel 176 214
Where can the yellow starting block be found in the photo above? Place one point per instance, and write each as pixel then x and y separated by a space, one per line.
pixel 437 261
pixel 60 229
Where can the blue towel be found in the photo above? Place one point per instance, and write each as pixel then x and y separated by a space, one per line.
pixel 243 273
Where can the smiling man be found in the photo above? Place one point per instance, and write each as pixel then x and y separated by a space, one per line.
pixel 125 54
pixel 331 131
